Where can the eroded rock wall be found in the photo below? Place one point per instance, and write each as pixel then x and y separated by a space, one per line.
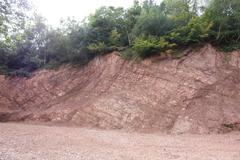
pixel 198 93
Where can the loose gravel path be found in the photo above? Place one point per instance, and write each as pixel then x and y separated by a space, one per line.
pixel 37 142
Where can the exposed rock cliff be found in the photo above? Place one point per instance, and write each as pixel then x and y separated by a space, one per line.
pixel 198 93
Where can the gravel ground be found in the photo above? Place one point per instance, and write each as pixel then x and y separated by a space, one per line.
pixel 37 142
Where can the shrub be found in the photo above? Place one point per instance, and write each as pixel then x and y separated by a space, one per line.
pixel 145 47
pixel 97 47
pixel 19 73
pixel 3 70
pixel 129 54
pixel 230 47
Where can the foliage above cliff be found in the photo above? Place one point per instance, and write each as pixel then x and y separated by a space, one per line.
pixel 27 43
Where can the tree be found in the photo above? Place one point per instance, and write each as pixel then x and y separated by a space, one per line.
pixel 12 16
pixel 104 22
pixel 144 29
pixel 29 53
pixel 225 15
pixel 12 20
pixel 152 22
pixel 131 16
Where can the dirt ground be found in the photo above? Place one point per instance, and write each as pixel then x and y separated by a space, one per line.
pixel 37 142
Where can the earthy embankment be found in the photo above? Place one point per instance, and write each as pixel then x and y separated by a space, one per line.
pixel 198 93
pixel 28 142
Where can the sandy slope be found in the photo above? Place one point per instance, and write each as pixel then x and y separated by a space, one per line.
pixel 28 142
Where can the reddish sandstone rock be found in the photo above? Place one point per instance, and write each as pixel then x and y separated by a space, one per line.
pixel 198 93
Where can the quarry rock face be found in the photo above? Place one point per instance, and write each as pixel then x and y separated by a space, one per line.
pixel 198 93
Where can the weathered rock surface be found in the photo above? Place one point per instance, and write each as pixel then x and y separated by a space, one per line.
pixel 198 93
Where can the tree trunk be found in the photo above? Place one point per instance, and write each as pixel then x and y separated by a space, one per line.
pixel 129 41
pixel 219 32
